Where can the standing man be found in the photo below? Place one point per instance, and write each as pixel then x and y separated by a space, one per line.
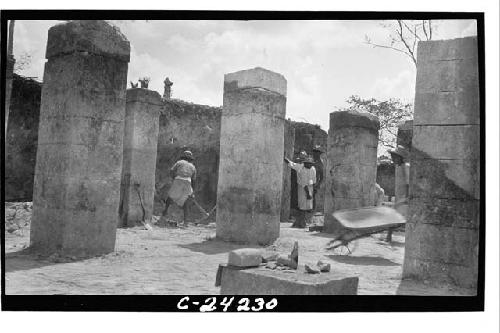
pixel 319 166
pixel 184 174
pixel 306 178
pixel 400 158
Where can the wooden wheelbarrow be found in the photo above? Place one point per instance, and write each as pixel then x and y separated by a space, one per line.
pixel 363 222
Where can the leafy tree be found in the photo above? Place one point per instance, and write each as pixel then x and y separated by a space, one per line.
pixel 390 113
pixel 404 36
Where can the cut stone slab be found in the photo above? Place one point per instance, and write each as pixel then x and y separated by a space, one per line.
pixel 262 281
pixel 247 257
pixel 256 78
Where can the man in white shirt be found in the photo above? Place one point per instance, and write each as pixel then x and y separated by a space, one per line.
pixel 306 178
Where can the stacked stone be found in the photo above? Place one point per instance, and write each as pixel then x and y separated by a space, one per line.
pixel 289 141
pixel 80 141
pixel 404 137
pixel 442 233
pixel 139 156
pixel 251 156
pixel 351 163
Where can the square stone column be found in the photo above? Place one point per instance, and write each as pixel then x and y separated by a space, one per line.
pixel 442 233
pixel 8 88
pixel 289 141
pixel 251 156
pixel 139 156
pixel 80 140
pixel 351 169
pixel 404 138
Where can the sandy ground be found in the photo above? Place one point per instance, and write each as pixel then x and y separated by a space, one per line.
pixel 184 261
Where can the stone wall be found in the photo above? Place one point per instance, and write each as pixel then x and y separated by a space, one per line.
pixel 21 140
pixel 195 127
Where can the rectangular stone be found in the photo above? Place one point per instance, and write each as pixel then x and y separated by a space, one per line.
pixel 437 272
pixel 447 108
pixel 262 281
pixel 246 257
pixel 445 179
pixel 446 142
pixel 256 78
pixel 445 212
pixel 451 49
pixel 442 244
pixel 447 76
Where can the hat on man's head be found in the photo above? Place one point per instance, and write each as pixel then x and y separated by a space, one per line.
pixel 308 160
pixel 301 157
pixel 187 154
pixel 318 149
pixel 400 151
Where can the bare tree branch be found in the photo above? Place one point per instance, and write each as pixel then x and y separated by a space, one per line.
pixel 430 30
pixel 400 32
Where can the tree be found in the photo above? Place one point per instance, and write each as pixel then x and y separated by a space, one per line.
pixel 390 113
pixel 404 36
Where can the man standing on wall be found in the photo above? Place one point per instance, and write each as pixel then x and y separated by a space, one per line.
pixel 319 166
pixel 184 174
pixel 306 178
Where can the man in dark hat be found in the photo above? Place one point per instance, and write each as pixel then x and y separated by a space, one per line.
pixel 319 166
pixel 184 174
pixel 400 156
pixel 306 178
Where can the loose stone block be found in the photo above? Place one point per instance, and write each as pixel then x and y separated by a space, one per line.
pixel 80 148
pixel 263 281
pixel 139 156
pixel 289 141
pixel 442 234
pixel 245 257
pixel 352 163
pixel 251 157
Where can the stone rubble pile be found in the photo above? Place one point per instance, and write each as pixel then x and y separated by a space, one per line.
pixel 17 217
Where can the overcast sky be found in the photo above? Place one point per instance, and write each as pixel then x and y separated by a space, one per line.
pixel 324 62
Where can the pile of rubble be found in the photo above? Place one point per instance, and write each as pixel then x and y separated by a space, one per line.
pixel 17 217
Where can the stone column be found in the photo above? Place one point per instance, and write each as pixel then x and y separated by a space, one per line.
pixel 404 138
pixel 289 141
pixel 8 88
pixel 80 140
pixel 351 163
pixel 251 156
pixel 139 156
pixel 442 233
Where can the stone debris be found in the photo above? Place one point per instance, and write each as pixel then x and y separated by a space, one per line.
pixel 17 217
pixel 247 257
pixel 272 265
pixel 323 267
pixel 270 256
pixel 310 269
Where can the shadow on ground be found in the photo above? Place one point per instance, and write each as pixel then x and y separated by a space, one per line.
pixel 214 246
pixel 363 260
pixel 24 260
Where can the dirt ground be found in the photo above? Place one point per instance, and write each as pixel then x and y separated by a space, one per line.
pixel 184 261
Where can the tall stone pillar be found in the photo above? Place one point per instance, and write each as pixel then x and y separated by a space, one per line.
pixel 139 156
pixel 351 163
pixel 251 156
pixel 8 88
pixel 289 141
pixel 80 140
pixel 404 138
pixel 442 233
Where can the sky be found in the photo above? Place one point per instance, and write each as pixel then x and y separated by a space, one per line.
pixel 324 62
